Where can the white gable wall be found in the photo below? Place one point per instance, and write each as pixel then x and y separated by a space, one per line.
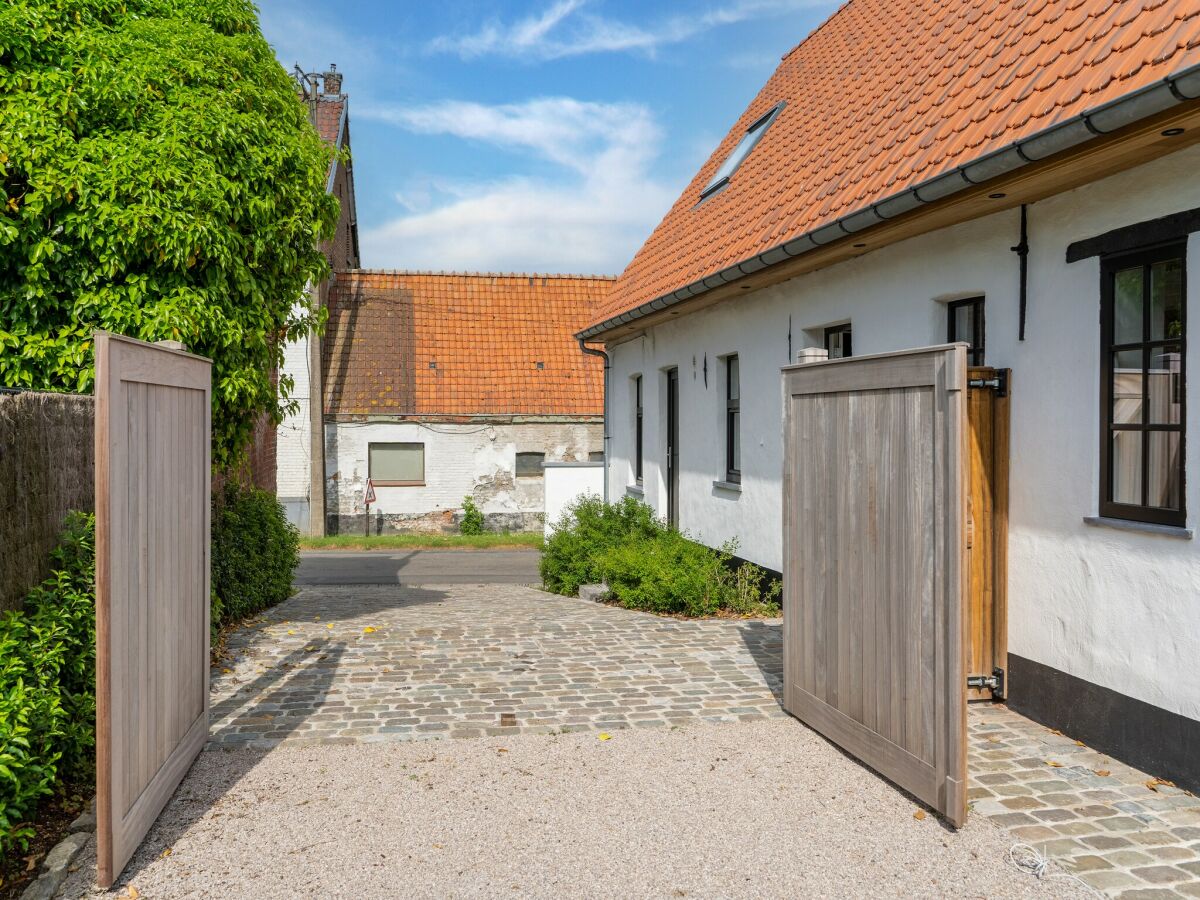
pixel 1113 607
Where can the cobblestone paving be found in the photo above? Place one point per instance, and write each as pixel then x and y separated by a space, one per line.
pixel 382 663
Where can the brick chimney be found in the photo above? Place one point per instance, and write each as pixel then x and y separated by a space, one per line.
pixel 331 80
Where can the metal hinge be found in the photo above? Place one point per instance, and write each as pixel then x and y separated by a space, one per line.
pixel 993 682
pixel 999 384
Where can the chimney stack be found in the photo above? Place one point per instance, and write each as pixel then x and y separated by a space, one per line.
pixel 332 80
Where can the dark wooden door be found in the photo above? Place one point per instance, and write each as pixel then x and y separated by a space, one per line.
pixel 673 447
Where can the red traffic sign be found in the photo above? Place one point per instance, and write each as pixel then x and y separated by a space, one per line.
pixel 370 496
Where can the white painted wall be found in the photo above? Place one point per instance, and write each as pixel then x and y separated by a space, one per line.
pixel 566 483
pixel 293 448
pixel 460 459
pixel 1118 608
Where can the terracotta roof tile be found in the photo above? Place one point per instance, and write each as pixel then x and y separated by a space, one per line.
pixel 890 93
pixel 445 343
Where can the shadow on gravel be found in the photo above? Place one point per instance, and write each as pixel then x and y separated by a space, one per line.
pixel 764 641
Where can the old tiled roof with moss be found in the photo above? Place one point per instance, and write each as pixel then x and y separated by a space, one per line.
pixel 888 94
pixel 461 344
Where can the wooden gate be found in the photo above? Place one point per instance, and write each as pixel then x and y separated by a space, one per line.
pixel 875 500
pixel 152 584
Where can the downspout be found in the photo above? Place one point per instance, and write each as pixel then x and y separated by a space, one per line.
pixel 603 354
pixel 1022 251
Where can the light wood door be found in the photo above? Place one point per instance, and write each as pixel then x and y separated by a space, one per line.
pixel 152 584
pixel 875 484
pixel 987 528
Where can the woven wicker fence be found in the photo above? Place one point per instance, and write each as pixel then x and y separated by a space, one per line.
pixel 46 470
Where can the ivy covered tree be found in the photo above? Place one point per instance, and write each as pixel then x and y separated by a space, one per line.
pixel 158 179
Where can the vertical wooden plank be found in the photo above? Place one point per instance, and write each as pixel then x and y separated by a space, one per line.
pixel 1000 462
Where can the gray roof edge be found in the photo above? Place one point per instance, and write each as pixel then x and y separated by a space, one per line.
pixel 1125 110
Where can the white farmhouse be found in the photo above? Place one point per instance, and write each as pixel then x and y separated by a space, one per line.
pixel 1021 177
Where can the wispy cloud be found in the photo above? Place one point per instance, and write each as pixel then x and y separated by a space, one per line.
pixel 568 28
pixel 588 211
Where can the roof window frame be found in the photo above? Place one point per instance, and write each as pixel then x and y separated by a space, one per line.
pixel 741 151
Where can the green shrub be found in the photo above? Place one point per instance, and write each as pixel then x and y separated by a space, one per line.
pixel 47 684
pixel 255 550
pixel 472 522
pixel 589 527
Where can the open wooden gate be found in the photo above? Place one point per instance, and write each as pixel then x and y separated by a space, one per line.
pixel 153 419
pixel 875 563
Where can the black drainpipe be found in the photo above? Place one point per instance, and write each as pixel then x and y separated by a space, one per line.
pixel 603 354
pixel 1022 251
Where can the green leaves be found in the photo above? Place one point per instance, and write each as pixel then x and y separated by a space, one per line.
pixel 158 179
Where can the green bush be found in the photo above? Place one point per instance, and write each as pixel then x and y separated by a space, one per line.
pixel 649 566
pixel 255 550
pixel 589 527
pixel 47 684
pixel 472 522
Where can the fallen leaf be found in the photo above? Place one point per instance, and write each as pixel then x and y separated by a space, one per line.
pixel 1103 773
pixel 1053 764
pixel 1054 731
pixel 330 626
pixel 605 736
pixel 1155 783
pixel 167 853
pixel 1079 743
pixel 370 629
pixel 309 649
pixel 133 893
pixel 226 671
pixel 437 846
pixel 919 815
pixel 501 750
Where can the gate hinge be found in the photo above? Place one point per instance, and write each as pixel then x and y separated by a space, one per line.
pixel 999 384
pixel 993 682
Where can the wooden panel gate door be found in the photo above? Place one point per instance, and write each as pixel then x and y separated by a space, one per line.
pixel 875 499
pixel 153 421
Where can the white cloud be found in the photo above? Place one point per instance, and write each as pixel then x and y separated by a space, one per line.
pixel 567 29
pixel 588 211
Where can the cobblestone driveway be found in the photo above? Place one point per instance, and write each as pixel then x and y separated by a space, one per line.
pixel 375 663
pixel 384 663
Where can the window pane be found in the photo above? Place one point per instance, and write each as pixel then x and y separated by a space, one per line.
pixel 596 456
pixel 1127 306
pixel 1166 385
pixel 964 324
pixel 1127 387
pixel 735 423
pixel 1166 300
pixel 837 343
pixel 396 462
pixel 1127 467
pixel 1164 470
pixel 735 386
pixel 530 463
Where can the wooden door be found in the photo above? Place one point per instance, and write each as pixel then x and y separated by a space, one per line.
pixel 987 530
pixel 875 490
pixel 673 447
pixel 152 584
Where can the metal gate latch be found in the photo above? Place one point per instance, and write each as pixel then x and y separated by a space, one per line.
pixel 993 682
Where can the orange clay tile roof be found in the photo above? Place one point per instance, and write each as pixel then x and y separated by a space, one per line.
pixel 434 344
pixel 889 93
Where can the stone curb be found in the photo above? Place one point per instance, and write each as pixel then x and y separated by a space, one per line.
pixel 58 861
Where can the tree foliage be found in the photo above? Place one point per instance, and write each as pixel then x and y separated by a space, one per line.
pixel 158 179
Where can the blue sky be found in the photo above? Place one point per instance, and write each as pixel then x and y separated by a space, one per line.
pixel 545 136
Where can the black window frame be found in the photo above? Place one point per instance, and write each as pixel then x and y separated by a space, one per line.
pixel 733 411
pixel 637 428
pixel 847 344
pixel 1110 265
pixel 977 339
pixel 745 146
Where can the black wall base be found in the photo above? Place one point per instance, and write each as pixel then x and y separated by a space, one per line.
pixel 1160 743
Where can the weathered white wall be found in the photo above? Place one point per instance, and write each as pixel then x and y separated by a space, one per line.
pixel 566 483
pixel 293 448
pixel 1121 609
pixel 460 459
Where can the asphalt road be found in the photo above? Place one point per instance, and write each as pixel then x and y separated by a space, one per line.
pixel 419 567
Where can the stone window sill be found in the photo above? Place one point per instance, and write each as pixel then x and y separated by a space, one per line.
pixel 731 486
pixel 635 490
pixel 1174 531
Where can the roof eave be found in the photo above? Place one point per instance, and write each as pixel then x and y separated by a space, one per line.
pixel 1091 125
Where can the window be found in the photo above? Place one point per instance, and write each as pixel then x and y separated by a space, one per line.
pixel 596 456
pixel 1142 387
pixel 966 324
pixel 637 428
pixel 530 464
pixel 752 136
pixel 837 341
pixel 396 464
pixel 733 420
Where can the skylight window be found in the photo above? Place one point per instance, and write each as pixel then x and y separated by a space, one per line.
pixel 752 136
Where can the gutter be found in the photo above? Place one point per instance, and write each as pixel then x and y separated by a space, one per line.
pixel 1127 110
pixel 603 354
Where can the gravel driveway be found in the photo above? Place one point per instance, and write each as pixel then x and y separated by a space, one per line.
pixel 757 809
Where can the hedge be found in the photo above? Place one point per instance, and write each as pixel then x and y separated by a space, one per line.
pixel 255 550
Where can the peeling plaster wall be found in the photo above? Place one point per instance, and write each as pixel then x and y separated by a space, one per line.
pixel 460 459
pixel 1116 608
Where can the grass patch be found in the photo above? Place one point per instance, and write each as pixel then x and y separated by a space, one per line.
pixel 522 540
